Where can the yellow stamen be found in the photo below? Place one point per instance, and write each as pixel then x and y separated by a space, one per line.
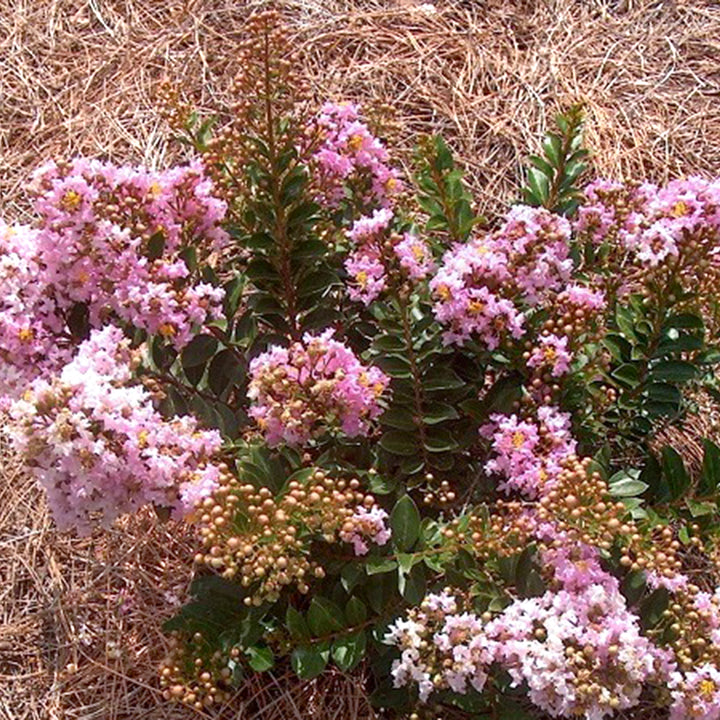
pixel 550 353
pixel 154 190
pixel 355 143
pixel 143 438
pixel 518 439
pixel 167 330
pixel 70 200
pixel 418 252
pixel 679 209
pixel 475 307
pixel 362 278
pixel 443 292
pixel 26 334
pixel 707 688
pixel 391 183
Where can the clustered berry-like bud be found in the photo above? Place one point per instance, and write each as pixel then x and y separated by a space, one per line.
pixel 265 541
pixel 269 68
pixel 197 674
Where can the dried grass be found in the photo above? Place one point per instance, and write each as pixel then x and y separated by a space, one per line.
pixel 80 77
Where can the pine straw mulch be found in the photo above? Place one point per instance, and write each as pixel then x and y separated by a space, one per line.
pixel 79 634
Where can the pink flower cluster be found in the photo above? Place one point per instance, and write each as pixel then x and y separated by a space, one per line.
pixel 580 652
pixel 415 257
pixel 107 241
pixel 375 251
pixel 654 223
pixel 551 353
pixel 348 154
pixel 364 265
pixel 100 449
pixel 528 454
pixel 437 628
pixel 300 392
pixel 483 285
pixel 366 526
pixel 578 649
pixel 696 694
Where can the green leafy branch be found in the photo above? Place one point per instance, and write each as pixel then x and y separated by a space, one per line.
pixel 552 179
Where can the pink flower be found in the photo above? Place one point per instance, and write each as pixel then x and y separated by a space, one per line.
pixel 415 257
pixel 368 276
pixel 366 526
pixel 349 153
pixel 551 352
pixel 99 448
pixel 301 392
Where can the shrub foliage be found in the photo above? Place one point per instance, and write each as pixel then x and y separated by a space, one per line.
pixel 411 438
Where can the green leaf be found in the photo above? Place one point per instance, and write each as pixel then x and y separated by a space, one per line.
pixel 710 475
pixel 664 392
pixel 508 709
pixel 652 608
pixel 399 443
pixel 441 378
pixel 685 321
pixel 678 371
pixel 390 343
pixel 398 417
pixel 700 509
pixel 349 650
pixel 296 625
pixel 675 472
pixel 308 661
pixel 198 351
pixel 405 523
pixel 396 367
pixel 379 565
pixel 412 585
pixel 538 184
pixel 261 658
pixel 627 375
pixel 324 617
pixel 355 611
pixel 626 483
pixel 440 412
pixel 439 440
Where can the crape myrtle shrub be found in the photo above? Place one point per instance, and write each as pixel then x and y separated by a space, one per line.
pixel 410 438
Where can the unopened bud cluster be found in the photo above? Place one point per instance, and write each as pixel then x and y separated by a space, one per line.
pixel 196 675
pixel 265 542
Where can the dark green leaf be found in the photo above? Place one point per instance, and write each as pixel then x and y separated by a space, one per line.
pixel 261 658
pixel 405 523
pixel 678 371
pixel 399 443
pixel 308 661
pixel 349 650
pixel 324 617
pixel 200 349
pixel 674 472
pixel 710 476
pixel 355 611
pixel 296 625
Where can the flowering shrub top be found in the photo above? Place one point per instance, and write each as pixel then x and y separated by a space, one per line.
pixel 408 437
